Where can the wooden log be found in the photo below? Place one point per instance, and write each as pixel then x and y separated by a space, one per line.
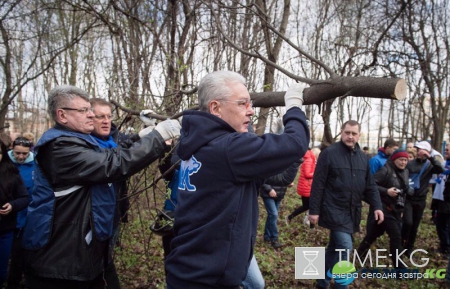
pixel 320 91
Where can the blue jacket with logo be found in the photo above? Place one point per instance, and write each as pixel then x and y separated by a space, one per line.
pixel 217 212
pixel 26 170
pixel 70 217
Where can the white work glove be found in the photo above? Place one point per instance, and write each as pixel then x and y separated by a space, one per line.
pixel 294 95
pixel 148 121
pixel 169 129
pixel 146 131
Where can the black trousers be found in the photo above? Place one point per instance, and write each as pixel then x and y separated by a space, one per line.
pixel 303 208
pixel 390 225
pixel 107 280
pixel 442 227
pixel 412 215
pixel 16 265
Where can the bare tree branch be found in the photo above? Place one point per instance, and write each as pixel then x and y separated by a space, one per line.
pixel 152 115
pixel 301 51
pixel 382 35
pixel 256 54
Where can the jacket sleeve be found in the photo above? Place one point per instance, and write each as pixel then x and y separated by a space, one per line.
pixel 380 177
pixel 285 178
pixel 21 198
pixel 72 161
pixel 318 184
pixel 126 140
pixel 437 166
pixel 265 190
pixel 273 152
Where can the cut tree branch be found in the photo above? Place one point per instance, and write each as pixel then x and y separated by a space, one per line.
pixel 320 91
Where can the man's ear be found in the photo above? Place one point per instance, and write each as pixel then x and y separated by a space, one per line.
pixel 61 116
pixel 214 108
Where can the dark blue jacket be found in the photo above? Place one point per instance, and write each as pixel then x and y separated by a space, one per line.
pixel 217 212
pixel 342 179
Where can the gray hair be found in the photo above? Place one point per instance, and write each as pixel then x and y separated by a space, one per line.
pixel 61 95
pixel 217 85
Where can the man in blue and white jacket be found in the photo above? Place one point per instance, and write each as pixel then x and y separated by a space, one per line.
pixel 222 168
pixel 70 217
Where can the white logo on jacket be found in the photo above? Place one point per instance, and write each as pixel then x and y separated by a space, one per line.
pixel 187 169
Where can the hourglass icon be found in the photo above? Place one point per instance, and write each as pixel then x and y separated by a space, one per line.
pixel 310 269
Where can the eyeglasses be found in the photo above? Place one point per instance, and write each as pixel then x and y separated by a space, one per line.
pixel 242 103
pixel 22 142
pixel 83 110
pixel 103 116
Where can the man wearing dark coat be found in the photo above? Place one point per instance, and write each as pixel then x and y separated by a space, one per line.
pixel 70 218
pixel 342 179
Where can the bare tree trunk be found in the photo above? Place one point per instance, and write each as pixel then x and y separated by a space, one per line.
pixel 6 67
pixel 431 50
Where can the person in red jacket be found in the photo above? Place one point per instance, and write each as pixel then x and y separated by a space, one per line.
pixel 304 182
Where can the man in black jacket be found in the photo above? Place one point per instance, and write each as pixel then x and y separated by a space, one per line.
pixel 342 179
pixel 70 218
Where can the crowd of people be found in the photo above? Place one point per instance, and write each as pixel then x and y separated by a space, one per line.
pixel 80 172
pixel 62 200
pixel 401 181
